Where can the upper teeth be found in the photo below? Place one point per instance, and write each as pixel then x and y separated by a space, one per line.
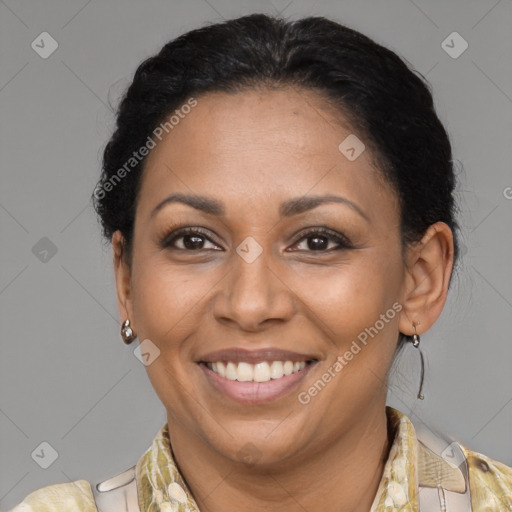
pixel 259 372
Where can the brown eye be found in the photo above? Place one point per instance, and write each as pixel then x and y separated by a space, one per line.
pixel 192 239
pixel 317 240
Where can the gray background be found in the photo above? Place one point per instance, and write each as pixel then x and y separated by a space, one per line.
pixel 66 376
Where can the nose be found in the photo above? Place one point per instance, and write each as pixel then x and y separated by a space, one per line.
pixel 254 295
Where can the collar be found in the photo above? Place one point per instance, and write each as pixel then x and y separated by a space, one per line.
pixel 398 488
pixel 160 485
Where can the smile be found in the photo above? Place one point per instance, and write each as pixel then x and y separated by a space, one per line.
pixel 257 383
pixel 259 372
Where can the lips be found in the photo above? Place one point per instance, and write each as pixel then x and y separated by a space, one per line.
pixel 240 355
pixel 255 376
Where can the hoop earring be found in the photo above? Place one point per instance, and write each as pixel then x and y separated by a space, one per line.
pixel 127 332
pixel 416 344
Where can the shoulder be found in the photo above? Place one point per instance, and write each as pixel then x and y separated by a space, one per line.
pixel 67 497
pixel 115 494
pixel 449 472
pixel 490 482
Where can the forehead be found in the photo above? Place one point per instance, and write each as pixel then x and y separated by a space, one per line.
pixel 260 145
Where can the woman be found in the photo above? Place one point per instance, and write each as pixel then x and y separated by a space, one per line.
pixel 279 197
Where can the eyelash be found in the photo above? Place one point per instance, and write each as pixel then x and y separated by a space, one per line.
pixel 342 241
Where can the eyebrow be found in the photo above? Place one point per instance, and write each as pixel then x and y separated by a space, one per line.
pixel 288 208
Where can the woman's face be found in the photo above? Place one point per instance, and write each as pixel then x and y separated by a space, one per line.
pixel 253 284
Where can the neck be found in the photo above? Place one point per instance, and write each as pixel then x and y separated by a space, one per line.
pixel 342 476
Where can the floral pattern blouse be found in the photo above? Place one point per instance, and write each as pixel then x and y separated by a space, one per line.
pixel 161 487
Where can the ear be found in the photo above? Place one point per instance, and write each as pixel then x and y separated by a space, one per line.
pixel 429 267
pixel 122 274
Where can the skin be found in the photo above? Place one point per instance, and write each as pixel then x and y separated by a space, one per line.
pixel 253 150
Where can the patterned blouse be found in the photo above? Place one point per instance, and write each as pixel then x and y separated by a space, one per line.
pixel 161 487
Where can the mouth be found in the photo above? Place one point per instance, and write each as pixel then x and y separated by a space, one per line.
pixel 263 371
pixel 259 382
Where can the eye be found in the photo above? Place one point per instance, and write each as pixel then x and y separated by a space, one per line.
pixel 317 240
pixel 193 239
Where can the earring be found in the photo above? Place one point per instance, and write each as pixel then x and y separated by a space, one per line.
pixel 416 344
pixel 127 332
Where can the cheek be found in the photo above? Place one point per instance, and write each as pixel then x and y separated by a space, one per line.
pixel 166 302
pixel 350 297
pixel 353 309
pixel 164 299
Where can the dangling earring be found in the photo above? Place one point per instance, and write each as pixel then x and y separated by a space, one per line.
pixel 127 332
pixel 416 343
